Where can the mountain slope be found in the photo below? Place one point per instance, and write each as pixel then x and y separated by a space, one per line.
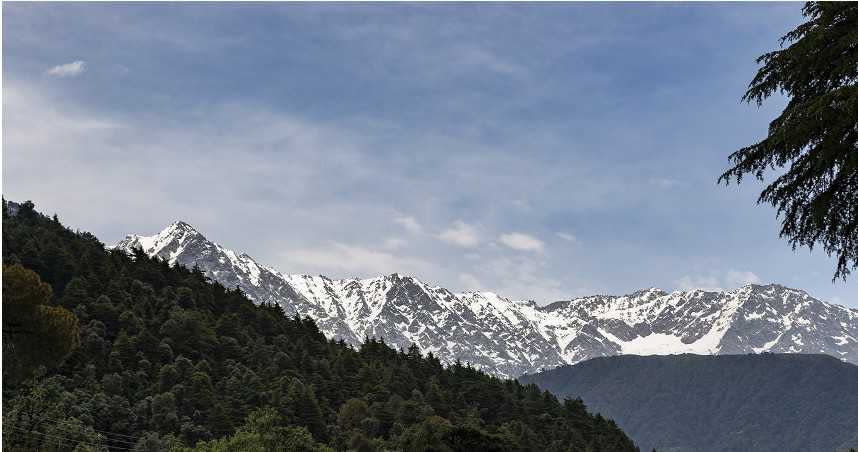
pixel 167 358
pixel 684 403
pixel 508 337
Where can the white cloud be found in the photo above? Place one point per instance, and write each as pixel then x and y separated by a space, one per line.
pixel 522 242
pixel 72 69
pixel 487 60
pixel 351 260
pixel 470 282
pixel 461 234
pixel 708 283
pixel 737 278
pixel 523 277
pixel 409 223
pixel 732 279
pixel 567 236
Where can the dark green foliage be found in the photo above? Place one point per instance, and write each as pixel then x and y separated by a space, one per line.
pixel 816 134
pixel 34 332
pixel 263 431
pixel 720 403
pixel 168 359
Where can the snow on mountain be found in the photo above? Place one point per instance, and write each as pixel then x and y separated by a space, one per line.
pixel 510 338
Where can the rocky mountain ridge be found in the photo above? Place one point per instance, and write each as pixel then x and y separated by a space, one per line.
pixel 510 337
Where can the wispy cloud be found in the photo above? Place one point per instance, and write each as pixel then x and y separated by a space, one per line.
pixel 72 69
pixel 524 276
pixel 461 234
pixel 482 57
pixel 736 278
pixel 522 242
pixel 567 237
pixel 469 282
pixel 409 223
pixel 708 283
pixel 731 279
pixel 521 127
pixel 354 261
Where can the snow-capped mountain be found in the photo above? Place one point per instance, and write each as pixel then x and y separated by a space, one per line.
pixel 510 338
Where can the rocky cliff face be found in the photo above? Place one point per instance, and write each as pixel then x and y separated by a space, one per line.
pixel 509 337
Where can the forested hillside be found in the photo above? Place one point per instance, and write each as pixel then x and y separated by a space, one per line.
pixel 683 403
pixel 162 359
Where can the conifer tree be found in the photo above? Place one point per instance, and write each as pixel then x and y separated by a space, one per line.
pixel 168 359
pixel 34 332
pixel 814 141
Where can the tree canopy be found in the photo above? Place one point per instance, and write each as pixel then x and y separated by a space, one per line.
pixel 815 138
pixel 34 332
pixel 169 360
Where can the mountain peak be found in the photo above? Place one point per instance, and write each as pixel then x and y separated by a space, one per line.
pixel 401 277
pixel 508 337
pixel 775 288
pixel 167 244
pixel 651 291
pixel 180 226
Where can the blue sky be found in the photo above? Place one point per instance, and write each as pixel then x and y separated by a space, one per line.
pixel 542 151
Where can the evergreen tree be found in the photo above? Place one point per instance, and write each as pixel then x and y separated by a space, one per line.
pixel 816 135
pixel 305 409
pixel 170 360
pixel 34 332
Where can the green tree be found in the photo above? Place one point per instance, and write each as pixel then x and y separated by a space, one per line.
pixel 816 135
pixel 263 431
pixel 153 442
pixel 74 293
pixel 428 435
pixel 34 332
pixel 169 359
pixel 305 408
pixel 40 418
pixel 352 413
pixel 164 414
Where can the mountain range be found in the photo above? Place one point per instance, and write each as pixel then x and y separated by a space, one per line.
pixel 162 359
pixel 510 338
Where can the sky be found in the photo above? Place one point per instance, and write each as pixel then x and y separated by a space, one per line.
pixel 541 151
